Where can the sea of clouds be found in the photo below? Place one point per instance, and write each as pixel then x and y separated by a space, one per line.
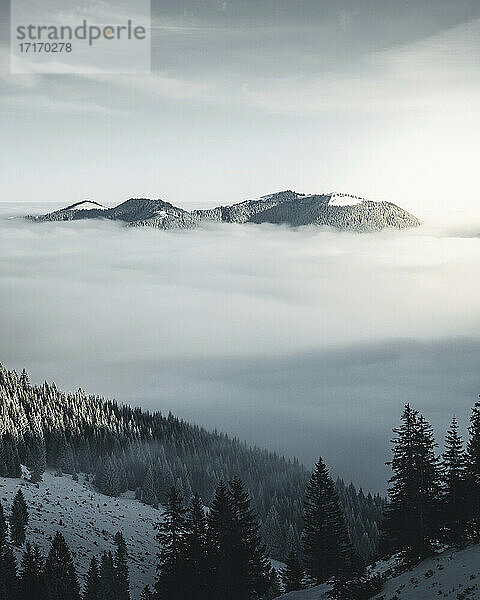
pixel 304 341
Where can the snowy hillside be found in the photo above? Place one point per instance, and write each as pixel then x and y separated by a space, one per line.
pixel 89 521
pixel 453 574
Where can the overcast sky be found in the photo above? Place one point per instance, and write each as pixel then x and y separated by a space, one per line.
pixel 379 98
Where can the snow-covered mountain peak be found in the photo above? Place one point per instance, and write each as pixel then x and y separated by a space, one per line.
pixel 340 199
pixel 85 205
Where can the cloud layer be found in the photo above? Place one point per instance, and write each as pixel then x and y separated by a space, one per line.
pixel 304 341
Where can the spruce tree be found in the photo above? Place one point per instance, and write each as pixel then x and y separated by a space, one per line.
pixel 61 580
pixel 31 582
pixel 37 459
pixel 326 544
pixel 18 519
pixel 91 590
pixel 472 474
pixel 252 573
pixel 292 574
pixel 170 584
pixel 454 505
pixel 411 518
pixel 122 582
pixel 106 577
pixel 197 570
pixel 8 568
pixel 8 575
pixel 221 542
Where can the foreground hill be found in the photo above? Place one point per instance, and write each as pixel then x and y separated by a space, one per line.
pixel 453 574
pixel 341 211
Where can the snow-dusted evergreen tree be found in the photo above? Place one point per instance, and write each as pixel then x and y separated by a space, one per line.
pixel 61 580
pixel 327 548
pixel 91 589
pixel 121 588
pixel 148 490
pixel 18 519
pixel 411 517
pixel 292 573
pixel 454 512
pixel 170 584
pixel 31 581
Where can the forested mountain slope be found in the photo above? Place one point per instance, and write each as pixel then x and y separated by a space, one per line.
pixel 341 211
pixel 131 449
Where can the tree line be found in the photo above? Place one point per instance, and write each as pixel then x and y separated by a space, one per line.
pixel 148 453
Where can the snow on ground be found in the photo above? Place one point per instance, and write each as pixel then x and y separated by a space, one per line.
pixel 453 574
pixel 337 199
pixel 89 521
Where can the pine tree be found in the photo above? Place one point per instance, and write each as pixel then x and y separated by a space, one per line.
pixel 197 570
pixel 252 573
pixel 472 474
pixel 122 582
pixel 61 580
pixel 221 542
pixel 411 517
pixel 37 460
pixel 91 589
pixel 18 519
pixel 454 505
pixel 326 545
pixel 106 577
pixel 170 582
pixel 8 575
pixel 8 571
pixel 149 493
pixel 292 574
pixel 31 583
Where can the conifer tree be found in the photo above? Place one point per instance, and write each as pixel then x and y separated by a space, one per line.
pixel 197 570
pixel 292 574
pixel 170 584
pixel 472 474
pixel 252 573
pixel 18 519
pixel 221 542
pixel 326 544
pixel 91 589
pixel 8 575
pixel 411 517
pixel 61 580
pixel 454 505
pixel 122 582
pixel 106 577
pixel 8 568
pixel 31 583
pixel 37 459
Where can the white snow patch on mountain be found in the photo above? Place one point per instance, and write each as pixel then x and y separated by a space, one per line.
pixel 86 205
pixel 337 199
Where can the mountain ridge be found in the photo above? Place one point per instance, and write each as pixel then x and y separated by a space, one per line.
pixel 337 210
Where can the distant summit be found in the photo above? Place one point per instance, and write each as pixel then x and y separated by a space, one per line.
pixel 340 211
